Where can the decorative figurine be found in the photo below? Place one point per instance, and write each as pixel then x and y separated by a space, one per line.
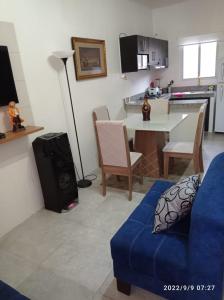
pixel 14 117
pixel 2 135
pixel 146 109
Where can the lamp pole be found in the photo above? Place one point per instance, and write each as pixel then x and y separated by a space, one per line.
pixel 82 183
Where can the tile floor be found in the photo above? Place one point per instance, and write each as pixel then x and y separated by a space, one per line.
pixel 67 256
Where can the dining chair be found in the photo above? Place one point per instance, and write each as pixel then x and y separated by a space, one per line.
pixel 188 150
pixel 101 113
pixel 115 156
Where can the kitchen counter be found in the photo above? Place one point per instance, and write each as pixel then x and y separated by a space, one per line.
pixel 188 101
pixel 194 97
pixel 138 100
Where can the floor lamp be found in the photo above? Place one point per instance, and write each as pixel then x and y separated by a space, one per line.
pixel 64 55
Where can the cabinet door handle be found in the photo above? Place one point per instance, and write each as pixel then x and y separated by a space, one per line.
pixel 144 45
pixel 153 56
pixel 222 72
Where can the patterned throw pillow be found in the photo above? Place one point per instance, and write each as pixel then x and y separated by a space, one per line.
pixel 175 203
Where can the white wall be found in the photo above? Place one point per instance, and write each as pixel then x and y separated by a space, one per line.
pixel 40 27
pixel 103 20
pixel 23 29
pixel 190 18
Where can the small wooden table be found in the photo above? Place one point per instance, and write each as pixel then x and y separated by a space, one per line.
pixel 150 138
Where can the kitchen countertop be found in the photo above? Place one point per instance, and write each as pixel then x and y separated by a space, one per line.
pixel 134 100
pixel 194 97
pixel 192 94
pixel 188 101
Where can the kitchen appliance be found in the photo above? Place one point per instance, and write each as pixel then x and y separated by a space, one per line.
pixel 153 91
pixel 219 121
pixel 157 82
pixel 142 62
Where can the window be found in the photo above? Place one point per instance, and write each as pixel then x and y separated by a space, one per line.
pixel 191 59
pixel 208 59
pixel 199 60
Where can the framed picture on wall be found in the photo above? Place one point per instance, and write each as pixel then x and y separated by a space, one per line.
pixel 89 58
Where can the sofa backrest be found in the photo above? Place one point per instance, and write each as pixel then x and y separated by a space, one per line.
pixel 206 236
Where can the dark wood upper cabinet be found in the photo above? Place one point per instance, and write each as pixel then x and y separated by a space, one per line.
pixel 158 53
pixel 129 51
pixel 131 47
pixel 143 44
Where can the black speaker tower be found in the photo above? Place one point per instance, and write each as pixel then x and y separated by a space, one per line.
pixel 56 171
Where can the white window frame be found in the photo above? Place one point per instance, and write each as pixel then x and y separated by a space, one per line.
pixel 199 61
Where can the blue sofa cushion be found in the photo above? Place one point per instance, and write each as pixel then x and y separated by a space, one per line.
pixel 206 235
pixel 8 293
pixel 135 247
pixel 175 203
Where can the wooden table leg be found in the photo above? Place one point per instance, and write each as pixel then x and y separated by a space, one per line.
pixel 150 144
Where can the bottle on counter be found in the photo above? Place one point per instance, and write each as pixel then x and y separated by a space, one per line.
pixel 169 87
pixel 146 110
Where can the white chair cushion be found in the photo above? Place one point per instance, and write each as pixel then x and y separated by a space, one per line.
pixel 102 113
pixel 112 143
pixel 134 157
pixel 181 147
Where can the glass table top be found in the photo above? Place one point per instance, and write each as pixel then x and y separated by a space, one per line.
pixel 158 122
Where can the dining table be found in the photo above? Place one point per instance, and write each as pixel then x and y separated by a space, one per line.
pixel 150 139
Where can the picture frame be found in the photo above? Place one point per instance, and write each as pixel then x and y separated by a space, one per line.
pixel 89 58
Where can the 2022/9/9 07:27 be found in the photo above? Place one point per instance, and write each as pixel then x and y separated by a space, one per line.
pixel 198 287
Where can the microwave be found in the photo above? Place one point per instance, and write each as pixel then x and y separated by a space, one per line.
pixel 142 61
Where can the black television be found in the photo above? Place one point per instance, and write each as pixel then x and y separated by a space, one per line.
pixel 7 85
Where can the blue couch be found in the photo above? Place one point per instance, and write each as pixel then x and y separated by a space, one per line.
pixel 184 262
pixel 8 293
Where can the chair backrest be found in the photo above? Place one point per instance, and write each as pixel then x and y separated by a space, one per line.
pixel 159 106
pixel 200 128
pixel 101 113
pixel 113 143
